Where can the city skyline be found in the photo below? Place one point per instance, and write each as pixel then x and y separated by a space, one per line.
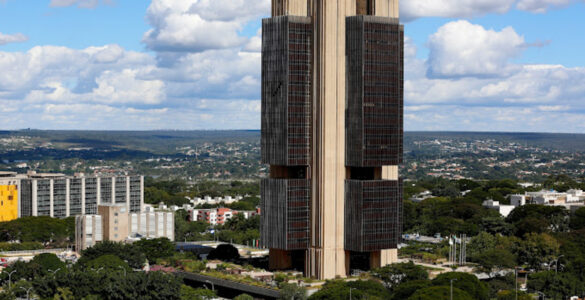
pixel 159 65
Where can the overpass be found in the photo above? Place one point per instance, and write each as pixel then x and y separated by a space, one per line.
pixel 227 287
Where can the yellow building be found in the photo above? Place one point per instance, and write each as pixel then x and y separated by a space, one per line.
pixel 8 199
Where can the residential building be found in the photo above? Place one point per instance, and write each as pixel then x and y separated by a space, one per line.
pixel 60 196
pixel 332 130
pixel 9 187
pixel 152 225
pixel 218 216
pixel 114 223
pixel 504 210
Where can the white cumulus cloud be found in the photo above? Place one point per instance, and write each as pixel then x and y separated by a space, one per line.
pixel 199 25
pixel 464 49
pixel 12 38
pixel 79 3
pixel 413 9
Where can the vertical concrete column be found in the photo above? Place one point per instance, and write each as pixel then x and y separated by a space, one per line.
pixel 141 193
pixel 128 193
pixel 83 196
pixel 113 190
pixel 290 8
pixel 98 192
pixel 386 8
pixel 51 198
pixel 67 197
pixel 34 196
pixel 327 257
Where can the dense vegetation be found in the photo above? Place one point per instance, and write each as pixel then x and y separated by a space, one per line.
pixel 109 264
pixel 30 231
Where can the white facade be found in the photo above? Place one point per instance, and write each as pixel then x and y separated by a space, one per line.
pixel 60 196
pixel 213 201
pixel 88 231
pixel 504 210
pixel 152 225
pixel 548 197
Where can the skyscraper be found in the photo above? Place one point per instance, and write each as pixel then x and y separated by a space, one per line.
pixel 332 126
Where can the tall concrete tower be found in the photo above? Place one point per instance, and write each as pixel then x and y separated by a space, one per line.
pixel 332 128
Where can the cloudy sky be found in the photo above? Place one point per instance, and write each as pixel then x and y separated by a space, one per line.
pixel 471 65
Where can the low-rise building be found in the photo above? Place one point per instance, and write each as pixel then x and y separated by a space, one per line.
pixel 547 197
pixel 215 216
pixel 504 210
pixel 115 223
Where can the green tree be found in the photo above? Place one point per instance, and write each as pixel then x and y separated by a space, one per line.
pixel 245 297
pixel 465 282
pixel 494 260
pixel 537 249
pixel 291 291
pixel 406 289
pixel 511 295
pixel 555 285
pixel 395 274
pixel 339 289
pixel 109 262
pixel 64 294
pixel 154 249
pixel 127 252
pixel 480 243
pixel 440 293
pixel 189 293
pixel 578 219
pixel 48 262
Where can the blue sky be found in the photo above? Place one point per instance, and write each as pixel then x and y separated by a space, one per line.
pixel 481 65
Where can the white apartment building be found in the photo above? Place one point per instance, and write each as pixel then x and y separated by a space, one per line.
pixel 60 196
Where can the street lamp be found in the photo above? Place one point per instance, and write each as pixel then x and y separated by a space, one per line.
pixel 451 281
pixel 10 279
pixel 350 292
pixel 54 272
pixel 27 292
pixel 212 285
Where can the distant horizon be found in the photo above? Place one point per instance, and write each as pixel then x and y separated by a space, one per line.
pixel 258 130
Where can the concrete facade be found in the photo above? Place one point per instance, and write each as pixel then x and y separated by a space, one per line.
pixel 114 223
pixel 60 196
pixel 326 169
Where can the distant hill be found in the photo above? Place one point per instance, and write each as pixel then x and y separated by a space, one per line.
pixel 167 141
pixel 557 141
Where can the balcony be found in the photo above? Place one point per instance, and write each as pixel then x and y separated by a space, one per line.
pixel 373 214
pixel 285 223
